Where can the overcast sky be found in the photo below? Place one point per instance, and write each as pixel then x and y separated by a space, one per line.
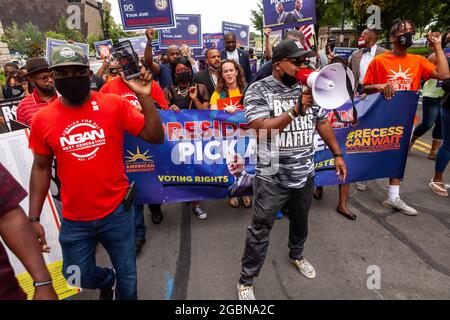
pixel 213 12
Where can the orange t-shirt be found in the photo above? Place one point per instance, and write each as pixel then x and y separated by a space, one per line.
pixel 87 142
pixel 117 86
pixel 404 73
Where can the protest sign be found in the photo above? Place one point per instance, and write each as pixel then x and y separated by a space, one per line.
pixel 104 49
pixel 138 44
pixel 188 31
pixel 51 43
pixel 213 41
pixel 242 32
pixel 141 14
pixel 344 52
pixel 8 110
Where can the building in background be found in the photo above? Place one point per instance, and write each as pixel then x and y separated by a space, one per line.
pixel 45 14
pixel 350 36
pixel 4 52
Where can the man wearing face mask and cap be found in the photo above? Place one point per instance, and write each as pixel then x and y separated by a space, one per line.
pixel 44 93
pixel 398 70
pixel 285 120
pixel 84 130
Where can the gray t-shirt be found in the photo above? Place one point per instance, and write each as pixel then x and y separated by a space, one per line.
pixel 286 158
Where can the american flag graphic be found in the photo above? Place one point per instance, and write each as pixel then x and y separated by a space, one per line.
pixel 308 31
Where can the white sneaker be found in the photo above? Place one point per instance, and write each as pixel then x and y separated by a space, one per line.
pixel 245 292
pixel 304 267
pixel 400 205
pixel 361 185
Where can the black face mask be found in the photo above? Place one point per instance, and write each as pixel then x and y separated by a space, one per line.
pixel 74 89
pixel 288 80
pixel 183 77
pixel 405 40
pixel 15 91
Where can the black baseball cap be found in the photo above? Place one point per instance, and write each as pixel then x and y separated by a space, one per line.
pixel 290 49
pixel 35 65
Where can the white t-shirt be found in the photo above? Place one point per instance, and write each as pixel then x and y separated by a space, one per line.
pixel 366 59
pixel 233 55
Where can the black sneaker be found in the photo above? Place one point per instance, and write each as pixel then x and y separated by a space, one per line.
pixel 108 292
pixel 200 213
pixel 139 245
pixel 157 216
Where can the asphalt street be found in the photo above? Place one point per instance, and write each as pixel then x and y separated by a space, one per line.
pixel 186 258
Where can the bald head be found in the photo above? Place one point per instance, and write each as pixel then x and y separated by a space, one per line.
pixel 370 37
pixel 230 41
pixel 173 52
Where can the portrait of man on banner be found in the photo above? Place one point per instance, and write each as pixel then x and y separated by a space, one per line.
pixel 286 14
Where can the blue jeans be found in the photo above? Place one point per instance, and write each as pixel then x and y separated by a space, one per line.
pixel 431 109
pixel 443 155
pixel 139 228
pixel 115 232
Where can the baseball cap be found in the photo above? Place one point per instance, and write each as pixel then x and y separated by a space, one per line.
pixel 68 55
pixel 290 49
pixel 35 65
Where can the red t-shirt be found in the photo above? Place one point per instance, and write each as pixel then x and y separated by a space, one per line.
pixel 117 86
pixel 404 73
pixel 88 145
pixel 29 106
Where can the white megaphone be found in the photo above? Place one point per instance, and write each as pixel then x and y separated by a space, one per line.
pixel 329 85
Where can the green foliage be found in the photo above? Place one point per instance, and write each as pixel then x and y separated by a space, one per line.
pixel 24 40
pixel 257 19
pixel 70 34
pixel 421 51
pixel 55 35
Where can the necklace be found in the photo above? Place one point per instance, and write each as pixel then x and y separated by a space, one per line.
pixel 182 92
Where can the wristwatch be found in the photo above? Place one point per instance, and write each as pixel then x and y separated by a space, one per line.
pixel 338 155
pixel 34 219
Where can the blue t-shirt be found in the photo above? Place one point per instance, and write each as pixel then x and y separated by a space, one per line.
pixel 165 76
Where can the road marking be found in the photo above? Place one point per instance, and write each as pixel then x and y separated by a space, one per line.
pixel 423 143
pixel 421 149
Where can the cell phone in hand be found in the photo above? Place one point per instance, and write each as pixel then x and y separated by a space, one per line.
pixel 128 59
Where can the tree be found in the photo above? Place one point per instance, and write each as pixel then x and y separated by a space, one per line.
pixel 70 34
pixel 421 13
pixel 257 19
pixel 25 41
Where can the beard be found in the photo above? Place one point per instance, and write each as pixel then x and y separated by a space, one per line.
pixel 48 91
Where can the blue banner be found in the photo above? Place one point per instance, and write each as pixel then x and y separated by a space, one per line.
pixel 242 32
pixel 344 52
pixel 52 43
pixel 188 31
pixel 104 49
pixel 138 44
pixel 199 54
pixel 377 146
pixel 211 154
pixel 288 14
pixel 213 40
pixel 141 14
pixel 254 66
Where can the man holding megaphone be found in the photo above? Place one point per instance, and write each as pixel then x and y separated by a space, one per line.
pixel 285 119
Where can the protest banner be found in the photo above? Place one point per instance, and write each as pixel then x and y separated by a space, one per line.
pixel 51 43
pixel 288 14
pixel 17 158
pixel 156 49
pixel 104 49
pixel 200 143
pixel 242 32
pixel 8 110
pixel 141 14
pixel 188 31
pixel 213 41
pixel 199 54
pixel 138 44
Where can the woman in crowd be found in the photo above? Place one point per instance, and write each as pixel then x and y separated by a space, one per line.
pixel 228 96
pixel 443 156
pixel 184 94
pixel 431 108
pixel 16 86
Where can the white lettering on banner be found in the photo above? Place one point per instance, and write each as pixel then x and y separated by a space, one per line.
pixel 278 1
pixel 83 139
pixel 10 114
pixel 212 152
pixel 300 132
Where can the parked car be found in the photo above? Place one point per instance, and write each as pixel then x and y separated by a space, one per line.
pixel 420 43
